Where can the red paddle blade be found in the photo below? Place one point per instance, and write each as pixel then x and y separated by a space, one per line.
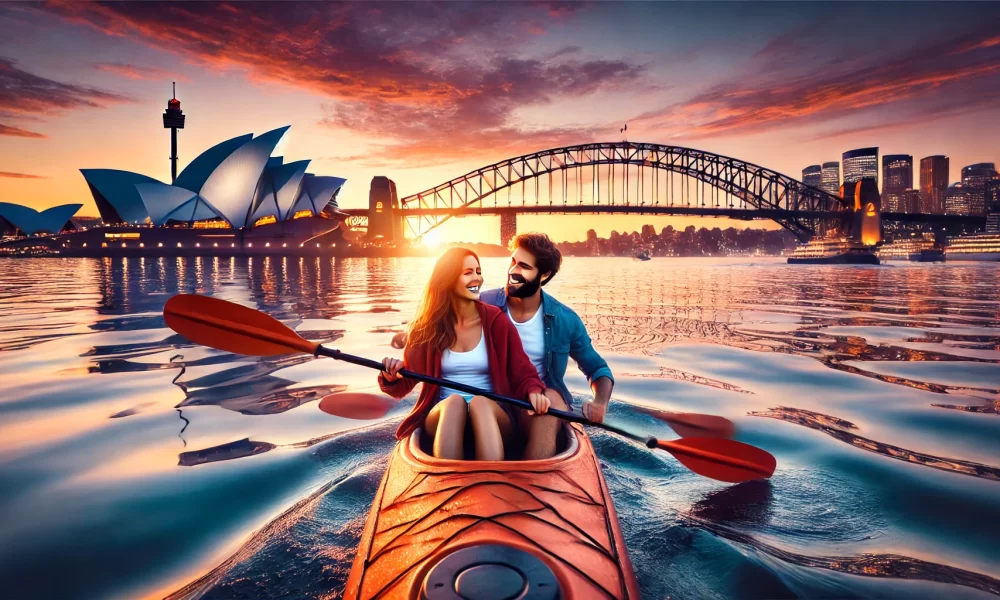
pixel 724 460
pixel 231 327
pixel 355 405
pixel 692 424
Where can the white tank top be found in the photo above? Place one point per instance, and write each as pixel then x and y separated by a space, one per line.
pixel 471 368
pixel 532 334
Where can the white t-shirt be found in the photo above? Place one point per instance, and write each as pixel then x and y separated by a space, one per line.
pixel 532 334
pixel 471 368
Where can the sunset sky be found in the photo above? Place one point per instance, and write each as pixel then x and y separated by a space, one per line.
pixel 423 92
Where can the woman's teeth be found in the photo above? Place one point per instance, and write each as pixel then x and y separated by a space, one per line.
pixel 473 288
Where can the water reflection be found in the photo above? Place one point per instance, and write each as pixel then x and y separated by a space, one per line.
pixel 226 448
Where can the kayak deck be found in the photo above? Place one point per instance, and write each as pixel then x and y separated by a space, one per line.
pixel 469 529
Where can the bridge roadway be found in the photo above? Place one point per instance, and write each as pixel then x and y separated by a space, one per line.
pixel 743 214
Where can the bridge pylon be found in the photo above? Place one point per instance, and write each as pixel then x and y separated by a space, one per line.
pixel 384 218
pixel 864 223
pixel 508 227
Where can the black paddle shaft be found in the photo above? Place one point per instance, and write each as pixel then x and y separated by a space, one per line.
pixel 555 412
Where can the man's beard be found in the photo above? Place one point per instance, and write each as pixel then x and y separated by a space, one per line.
pixel 525 290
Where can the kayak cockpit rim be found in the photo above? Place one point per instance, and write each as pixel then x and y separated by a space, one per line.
pixel 571 450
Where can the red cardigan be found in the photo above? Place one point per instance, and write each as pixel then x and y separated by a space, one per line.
pixel 511 370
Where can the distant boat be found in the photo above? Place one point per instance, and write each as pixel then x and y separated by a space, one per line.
pixel 982 247
pixel 833 252
pixel 644 255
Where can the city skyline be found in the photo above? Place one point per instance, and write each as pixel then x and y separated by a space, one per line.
pixel 424 93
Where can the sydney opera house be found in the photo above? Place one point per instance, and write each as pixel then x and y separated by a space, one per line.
pixel 234 198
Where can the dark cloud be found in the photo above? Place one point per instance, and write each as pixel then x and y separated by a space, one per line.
pixel 10 175
pixel 959 71
pixel 26 95
pixel 432 78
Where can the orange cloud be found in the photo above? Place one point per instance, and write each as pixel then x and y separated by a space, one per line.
pixel 411 75
pixel 10 175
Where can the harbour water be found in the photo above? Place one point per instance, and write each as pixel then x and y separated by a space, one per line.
pixel 134 464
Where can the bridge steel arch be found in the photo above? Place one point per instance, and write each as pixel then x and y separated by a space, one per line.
pixel 753 185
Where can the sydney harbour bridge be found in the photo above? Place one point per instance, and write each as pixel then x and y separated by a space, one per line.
pixel 624 178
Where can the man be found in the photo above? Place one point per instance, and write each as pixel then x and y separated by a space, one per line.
pixel 551 333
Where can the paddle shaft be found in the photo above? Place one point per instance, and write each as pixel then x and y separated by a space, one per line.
pixel 649 442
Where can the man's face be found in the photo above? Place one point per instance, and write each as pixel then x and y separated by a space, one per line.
pixel 523 278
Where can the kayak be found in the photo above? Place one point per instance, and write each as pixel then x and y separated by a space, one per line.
pixel 538 529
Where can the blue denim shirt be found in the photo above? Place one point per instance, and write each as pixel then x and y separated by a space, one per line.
pixel 565 337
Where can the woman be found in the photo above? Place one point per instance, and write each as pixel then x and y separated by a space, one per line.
pixel 456 337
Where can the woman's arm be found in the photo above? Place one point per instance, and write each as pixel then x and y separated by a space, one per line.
pixel 402 386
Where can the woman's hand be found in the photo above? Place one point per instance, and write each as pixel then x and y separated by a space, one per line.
pixel 392 367
pixel 540 402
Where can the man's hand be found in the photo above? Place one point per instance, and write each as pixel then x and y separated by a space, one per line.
pixel 594 410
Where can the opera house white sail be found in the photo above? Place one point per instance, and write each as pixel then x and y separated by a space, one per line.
pixel 30 221
pixel 235 182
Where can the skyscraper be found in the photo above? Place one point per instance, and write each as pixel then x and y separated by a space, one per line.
pixel 860 164
pixel 911 201
pixel 897 176
pixel 813 175
pixel 831 178
pixel 974 179
pixel 933 183
pixel 957 200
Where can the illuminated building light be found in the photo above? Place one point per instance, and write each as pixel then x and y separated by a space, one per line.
pixel 265 221
pixel 141 245
pixel 233 245
pixel 215 245
pixel 85 244
pixel 267 244
pixel 104 244
pixel 317 244
pixel 284 245
pixel 178 244
pixel 121 236
pixel 299 214
pixel 250 245
pixel 123 244
pixel 159 245
pixel 197 244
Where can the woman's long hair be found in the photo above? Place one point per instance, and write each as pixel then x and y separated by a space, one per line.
pixel 435 322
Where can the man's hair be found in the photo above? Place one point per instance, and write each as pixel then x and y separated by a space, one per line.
pixel 548 258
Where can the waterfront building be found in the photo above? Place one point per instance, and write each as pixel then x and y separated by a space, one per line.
pixel 860 164
pixel 958 200
pixel 933 183
pixel 813 176
pixel 830 182
pixel 974 179
pixel 897 177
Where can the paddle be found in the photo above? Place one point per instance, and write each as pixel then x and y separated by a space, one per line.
pixel 234 328
pixel 692 424
pixel 684 424
pixel 362 406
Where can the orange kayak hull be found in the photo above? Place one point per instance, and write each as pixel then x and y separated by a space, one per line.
pixel 549 521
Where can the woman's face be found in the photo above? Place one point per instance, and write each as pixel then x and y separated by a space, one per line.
pixel 469 280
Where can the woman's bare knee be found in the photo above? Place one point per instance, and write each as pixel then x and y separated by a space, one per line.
pixel 480 404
